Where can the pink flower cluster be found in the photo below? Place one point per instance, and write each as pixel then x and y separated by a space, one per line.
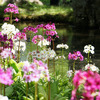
pixel 6 53
pixel 35 71
pixel 91 85
pixel 6 19
pixel 11 8
pixel 37 38
pixel 5 42
pixel 75 56
pixel 30 28
pixel 16 19
pixel 20 36
pixel 6 76
pixel 50 31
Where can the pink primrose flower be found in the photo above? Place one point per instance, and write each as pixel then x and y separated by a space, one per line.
pixel 35 71
pixel 16 19
pixel 37 38
pixel 6 19
pixel 6 76
pixel 20 36
pixel 91 83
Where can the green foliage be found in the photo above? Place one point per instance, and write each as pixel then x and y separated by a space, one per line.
pixel 12 63
pixel 18 90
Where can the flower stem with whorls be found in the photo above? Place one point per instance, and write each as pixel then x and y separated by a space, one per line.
pixel 53 58
pixel 11 18
pixel 74 66
pixel 18 57
pixel 48 84
pixel 4 85
pixel 0 88
pixel 62 61
pixel 36 90
pixel 88 60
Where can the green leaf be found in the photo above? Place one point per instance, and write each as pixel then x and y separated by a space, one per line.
pixel 13 64
pixel 9 90
pixel 42 93
pixel 54 89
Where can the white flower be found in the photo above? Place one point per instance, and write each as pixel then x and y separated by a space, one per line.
pixel 3 97
pixel 89 49
pixel 38 55
pixel 22 46
pixel 62 46
pixel 9 29
pixel 69 73
pixel 48 54
pixel 59 57
pixel 43 42
pixel 91 67
pixel 34 53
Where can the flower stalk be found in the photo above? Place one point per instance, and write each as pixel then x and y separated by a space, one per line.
pixel 11 18
pixel 18 57
pixel 48 85
pixel 88 60
pixel 36 90
pixel 53 58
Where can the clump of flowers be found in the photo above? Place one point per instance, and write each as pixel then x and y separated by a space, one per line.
pixel 91 67
pixel 62 46
pixel 47 54
pixel 75 56
pixel 5 42
pixel 35 71
pixel 6 76
pixel 69 73
pixel 37 38
pixel 6 19
pixel 43 54
pixel 90 85
pixel 9 29
pixel 22 46
pixel 6 53
pixel 11 8
pixel 50 31
pixel 31 29
pixel 20 36
pixel 89 49
pixel 43 43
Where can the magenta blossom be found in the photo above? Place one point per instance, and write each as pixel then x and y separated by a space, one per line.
pixel 91 85
pixel 6 76
pixel 37 38
pixel 30 28
pixel 16 19
pixel 20 36
pixel 6 19
pixel 11 8
pixel 75 56
pixel 35 71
